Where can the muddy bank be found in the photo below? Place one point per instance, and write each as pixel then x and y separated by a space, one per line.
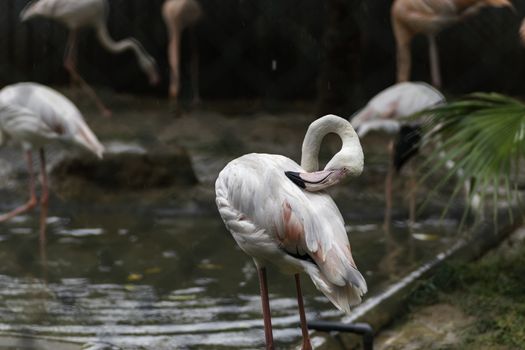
pixel 130 170
pixel 479 305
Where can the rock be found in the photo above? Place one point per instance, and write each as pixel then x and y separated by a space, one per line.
pixel 127 169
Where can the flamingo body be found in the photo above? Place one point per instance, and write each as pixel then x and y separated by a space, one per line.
pixel 73 14
pixel 389 109
pixel 181 13
pixel 279 214
pixel 388 112
pixel 429 17
pixel 275 221
pixel 42 115
pixel 34 116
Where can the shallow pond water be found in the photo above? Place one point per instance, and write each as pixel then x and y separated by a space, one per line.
pixel 158 277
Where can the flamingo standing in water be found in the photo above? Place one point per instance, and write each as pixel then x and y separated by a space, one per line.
pixel 429 17
pixel 77 14
pixel 277 213
pixel 35 115
pixel 178 15
pixel 387 112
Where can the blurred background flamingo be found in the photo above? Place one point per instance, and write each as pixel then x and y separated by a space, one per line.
pixel 88 13
pixel 34 115
pixel 388 112
pixel 429 17
pixel 178 15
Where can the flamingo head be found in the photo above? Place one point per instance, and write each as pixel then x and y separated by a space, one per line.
pixel 349 161
pixel 149 66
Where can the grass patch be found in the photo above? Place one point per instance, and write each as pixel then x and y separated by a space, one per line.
pixel 492 290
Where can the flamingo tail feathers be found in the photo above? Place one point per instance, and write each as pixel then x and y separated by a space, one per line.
pixel 343 297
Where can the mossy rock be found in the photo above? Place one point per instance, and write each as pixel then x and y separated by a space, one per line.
pixel 127 171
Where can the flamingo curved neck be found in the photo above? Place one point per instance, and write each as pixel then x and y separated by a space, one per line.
pixel 350 155
pixel 146 62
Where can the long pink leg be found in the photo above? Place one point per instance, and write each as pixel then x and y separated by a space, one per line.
pixel 403 56
pixel 266 308
pixel 388 185
pixel 434 62
pixel 195 68
pixel 307 345
pixel 412 195
pixel 31 203
pixel 44 205
pixel 44 198
pixel 70 63
pixel 174 60
pixel 42 239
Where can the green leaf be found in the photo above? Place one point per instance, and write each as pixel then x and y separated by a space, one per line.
pixel 483 135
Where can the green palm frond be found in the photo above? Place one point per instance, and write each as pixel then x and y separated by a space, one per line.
pixel 478 140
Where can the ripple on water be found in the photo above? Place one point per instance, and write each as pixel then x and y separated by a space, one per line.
pixel 21 230
pixel 81 232
pixel 74 309
pixel 203 292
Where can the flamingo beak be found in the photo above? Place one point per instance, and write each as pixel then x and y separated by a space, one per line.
pixel 154 79
pixel 316 181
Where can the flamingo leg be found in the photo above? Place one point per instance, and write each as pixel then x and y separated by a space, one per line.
pixel 434 62
pixel 70 63
pixel 69 55
pixel 44 197
pixel 307 345
pixel 388 185
pixel 194 68
pixel 31 203
pixel 412 195
pixel 44 201
pixel 403 38
pixel 42 239
pixel 266 308
pixel 174 57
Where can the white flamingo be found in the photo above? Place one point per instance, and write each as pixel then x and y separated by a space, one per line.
pixel 34 115
pixel 277 213
pixel 178 15
pixel 388 112
pixel 77 14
